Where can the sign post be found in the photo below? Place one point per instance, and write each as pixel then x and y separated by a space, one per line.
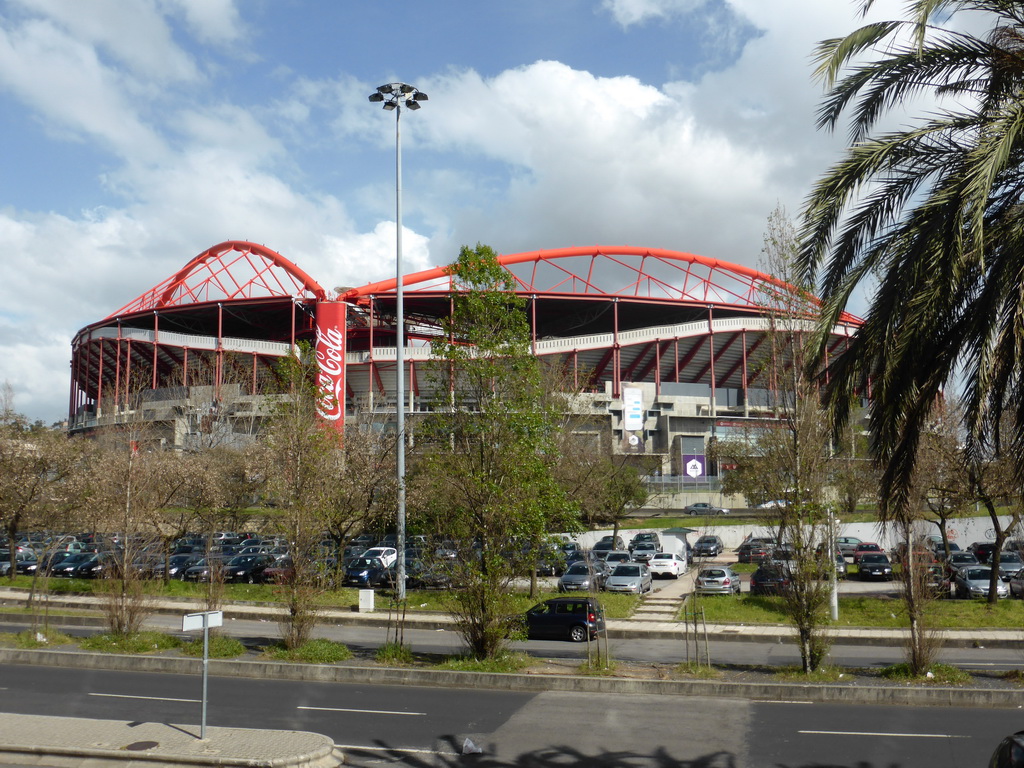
pixel 191 622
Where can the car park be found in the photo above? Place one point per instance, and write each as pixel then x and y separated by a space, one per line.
pixel 634 578
pixel 703 508
pixel 874 566
pixel 769 579
pixel 974 581
pixel 717 580
pixel 708 546
pixel 982 550
pixel 569 618
pixel 667 564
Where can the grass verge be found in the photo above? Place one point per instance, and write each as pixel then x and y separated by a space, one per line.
pixel 317 651
pixel 29 639
pixel 221 647
pixel 141 642
pixel 939 674
pixel 503 664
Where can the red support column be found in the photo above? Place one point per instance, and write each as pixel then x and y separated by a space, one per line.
pixel 99 383
pixel 184 369
pixel 219 365
pixel 117 370
pixel 156 340
pixel 616 373
pixel 711 353
pixel 254 358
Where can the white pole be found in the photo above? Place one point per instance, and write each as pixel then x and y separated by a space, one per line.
pixel 399 354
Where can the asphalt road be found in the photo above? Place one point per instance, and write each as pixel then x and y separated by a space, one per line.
pixel 410 726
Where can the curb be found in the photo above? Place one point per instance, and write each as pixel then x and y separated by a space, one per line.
pixel 810 693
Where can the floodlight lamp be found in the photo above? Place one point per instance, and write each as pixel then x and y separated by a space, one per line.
pixel 406 88
pixel 385 88
pixel 376 97
pixel 390 106
pixel 419 96
pixel 412 105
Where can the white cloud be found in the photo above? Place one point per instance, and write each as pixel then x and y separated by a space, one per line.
pixel 212 21
pixel 630 12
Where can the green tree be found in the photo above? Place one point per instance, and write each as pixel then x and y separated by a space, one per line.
pixel 932 214
pixel 488 450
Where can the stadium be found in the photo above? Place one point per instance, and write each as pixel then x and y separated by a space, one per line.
pixel 667 349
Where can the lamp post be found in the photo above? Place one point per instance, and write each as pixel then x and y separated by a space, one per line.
pixel 394 96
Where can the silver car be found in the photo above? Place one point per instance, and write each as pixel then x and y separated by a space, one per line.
pixel 973 581
pixel 630 577
pixel 582 577
pixel 717 580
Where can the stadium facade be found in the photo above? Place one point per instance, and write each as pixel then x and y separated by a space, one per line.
pixel 667 350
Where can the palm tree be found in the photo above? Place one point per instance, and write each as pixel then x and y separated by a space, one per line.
pixel 932 214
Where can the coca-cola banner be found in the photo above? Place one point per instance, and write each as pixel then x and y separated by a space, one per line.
pixel 330 359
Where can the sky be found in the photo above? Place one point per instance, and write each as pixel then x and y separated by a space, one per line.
pixel 138 133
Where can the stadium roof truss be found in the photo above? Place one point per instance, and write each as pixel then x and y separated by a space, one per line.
pixel 606 314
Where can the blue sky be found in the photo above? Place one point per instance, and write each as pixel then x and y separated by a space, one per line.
pixel 137 133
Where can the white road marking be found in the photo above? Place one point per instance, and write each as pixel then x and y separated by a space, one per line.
pixel 784 701
pixel 364 711
pixel 147 698
pixel 396 749
pixel 880 733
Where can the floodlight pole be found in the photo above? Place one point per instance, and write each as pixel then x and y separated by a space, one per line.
pixel 394 96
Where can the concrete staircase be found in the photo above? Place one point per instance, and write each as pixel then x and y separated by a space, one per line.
pixel 664 602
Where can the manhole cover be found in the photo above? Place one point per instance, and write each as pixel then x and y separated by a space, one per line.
pixel 140 746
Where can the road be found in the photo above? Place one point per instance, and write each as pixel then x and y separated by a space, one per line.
pixel 411 726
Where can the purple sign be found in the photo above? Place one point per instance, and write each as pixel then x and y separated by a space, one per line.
pixel 694 465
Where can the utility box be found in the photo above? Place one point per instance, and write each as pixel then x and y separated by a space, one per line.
pixel 366 601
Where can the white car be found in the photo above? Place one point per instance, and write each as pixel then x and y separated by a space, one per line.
pixel 387 555
pixel 667 564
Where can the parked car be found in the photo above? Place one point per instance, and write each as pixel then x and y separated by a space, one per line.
pixel 703 508
pixel 1009 564
pixel 667 564
pixel 708 546
pixel 646 536
pixel 607 543
pixel 753 551
pixel 874 565
pixel 387 555
pixel 974 581
pixel 847 544
pixel 718 580
pixel 203 569
pixel 68 565
pixel 982 550
pixel 424 574
pixel 247 568
pixel 1016 584
pixel 369 572
pixel 176 566
pixel 582 576
pixel 570 618
pixel 616 557
pixel 644 551
pixel 958 560
pixel 630 577
pixel 769 579
pixel 866 548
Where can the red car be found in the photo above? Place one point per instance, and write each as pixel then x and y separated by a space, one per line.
pixel 864 548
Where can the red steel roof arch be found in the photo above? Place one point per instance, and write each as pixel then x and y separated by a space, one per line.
pixel 234 269
pixel 697 279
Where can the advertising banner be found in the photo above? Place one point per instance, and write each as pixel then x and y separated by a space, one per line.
pixel 330 360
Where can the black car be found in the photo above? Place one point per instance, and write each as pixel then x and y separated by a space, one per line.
pixel 369 572
pixel 69 565
pixel 247 568
pixel 875 566
pixel 708 546
pixel 568 618
pixel 769 579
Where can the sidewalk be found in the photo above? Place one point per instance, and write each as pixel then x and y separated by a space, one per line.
pixel 66 741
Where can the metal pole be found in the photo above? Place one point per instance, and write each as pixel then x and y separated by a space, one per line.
pixel 399 354
pixel 206 664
